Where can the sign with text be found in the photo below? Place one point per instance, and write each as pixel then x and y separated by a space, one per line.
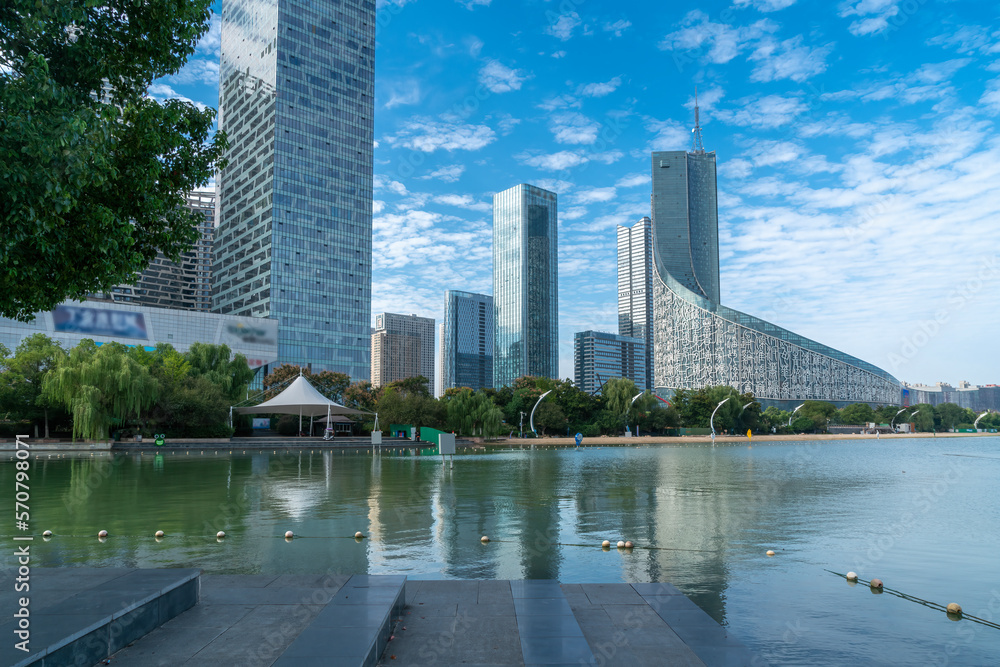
pixel 99 321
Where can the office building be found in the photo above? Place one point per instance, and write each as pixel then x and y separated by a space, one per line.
pixel 525 284
pixel 181 285
pixel 402 347
pixel 295 201
pixel 698 342
pixel 975 397
pixel 467 340
pixel 599 357
pixel 635 286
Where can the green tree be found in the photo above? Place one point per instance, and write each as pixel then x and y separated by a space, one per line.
pixel 216 363
pixel 774 419
pixel 803 424
pixel 855 414
pixel 949 415
pixel 818 412
pixel 550 416
pixel 34 357
pixel 94 172
pixel 100 386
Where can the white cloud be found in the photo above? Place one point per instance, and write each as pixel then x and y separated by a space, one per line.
pixel 506 123
pixel 162 92
pixel 788 59
pixel 559 102
pixel 572 213
pixel 736 169
pixel 562 28
pixel 940 72
pixel 600 89
pixel 634 180
pixel 197 70
pixel 765 5
pixel 563 160
pixel 472 4
pixel 970 39
pixel 380 183
pixel 570 127
pixel 724 42
pixel 873 15
pixel 474 45
pixel 618 27
pixel 553 185
pixel 594 195
pixel 559 54
pixel 446 174
pixel 669 135
pixel 211 41
pixel 462 201
pixel 499 78
pixel 991 97
pixel 427 135
pixel 403 93
pixel 766 112
pixel 766 153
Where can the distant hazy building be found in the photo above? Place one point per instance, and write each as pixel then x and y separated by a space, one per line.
pixel 294 240
pixel 600 356
pixel 966 395
pixel 402 347
pixel 467 340
pixel 182 285
pixel 525 284
pixel 698 342
pixel 635 286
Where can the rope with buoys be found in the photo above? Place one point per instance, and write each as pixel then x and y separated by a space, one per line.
pixel 926 603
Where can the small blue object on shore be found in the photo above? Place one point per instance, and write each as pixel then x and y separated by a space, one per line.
pixel 579 439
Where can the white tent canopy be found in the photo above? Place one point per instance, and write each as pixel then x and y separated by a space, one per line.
pixel 300 398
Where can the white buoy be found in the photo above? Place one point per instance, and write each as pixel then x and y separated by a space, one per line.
pixel 621 544
pixel 220 534
pixel 606 544
pixel 955 608
pixel 358 535
pixel 103 533
pixel 47 533
pixel 875 583
pixel 628 544
pixel 770 553
pixel 158 534
pixel 484 539
pixel 289 534
pixel 852 576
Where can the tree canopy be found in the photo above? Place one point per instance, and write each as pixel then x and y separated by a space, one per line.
pixel 94 172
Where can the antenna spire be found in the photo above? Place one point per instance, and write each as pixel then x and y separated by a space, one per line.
pixel 699 147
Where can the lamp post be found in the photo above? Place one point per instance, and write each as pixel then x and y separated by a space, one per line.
pixel 792 416
pixel 892 422
pixel 711 420
pixel 975 424
pixel 531 419
pixel 629 408
pixel 521 426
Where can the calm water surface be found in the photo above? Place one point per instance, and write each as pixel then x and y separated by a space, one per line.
pixel 921 514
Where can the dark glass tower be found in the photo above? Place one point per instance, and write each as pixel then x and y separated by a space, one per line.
pixel 467 341
pixel 295 206
pixel 525 284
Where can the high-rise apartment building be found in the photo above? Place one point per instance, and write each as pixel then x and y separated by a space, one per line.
pixel 182 285
pixel 467 340
pixel 599 357
pixel 698 342
pixel 295 201
pixel 635 286
pixel 402 347
pixel 525 284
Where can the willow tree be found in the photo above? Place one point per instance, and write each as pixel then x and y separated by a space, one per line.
pixel 100 386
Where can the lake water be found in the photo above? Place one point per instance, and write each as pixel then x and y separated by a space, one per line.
pixel 921 514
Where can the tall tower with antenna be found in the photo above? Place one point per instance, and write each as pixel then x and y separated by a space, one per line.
pixel 699 147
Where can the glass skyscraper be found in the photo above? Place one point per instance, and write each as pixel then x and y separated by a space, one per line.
pixel 635 288
pixel 467 340
pixel 599 357
pixel 295 201
pixel 525 284
pixel 698 342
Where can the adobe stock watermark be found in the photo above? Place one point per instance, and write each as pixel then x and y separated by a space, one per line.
pixel 958 299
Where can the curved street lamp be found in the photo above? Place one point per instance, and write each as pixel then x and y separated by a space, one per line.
pixel 531 420
pixel 975 424
pixel 792 416
pixel 631 403
pixel 711 420
pixel 893 420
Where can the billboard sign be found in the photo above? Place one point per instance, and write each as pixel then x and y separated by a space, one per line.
pixel 251 331
pixel 99 322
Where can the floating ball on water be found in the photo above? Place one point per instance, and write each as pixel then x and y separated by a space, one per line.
pixel 358 535
pixel 954 608
pixel 289 534
pixel 628 544
pixel 770 552
pixel 220 534
pixel 158 534
pixel 875 583
pixel 606 544
pixel 103 533
pixel 852 576
pixel 484 539
pixel 621 545
pixel 47 533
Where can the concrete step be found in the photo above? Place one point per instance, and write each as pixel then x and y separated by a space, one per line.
pixel 81 616
pixel 354 627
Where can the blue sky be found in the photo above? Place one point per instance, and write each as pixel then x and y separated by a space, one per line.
pixel 858 153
